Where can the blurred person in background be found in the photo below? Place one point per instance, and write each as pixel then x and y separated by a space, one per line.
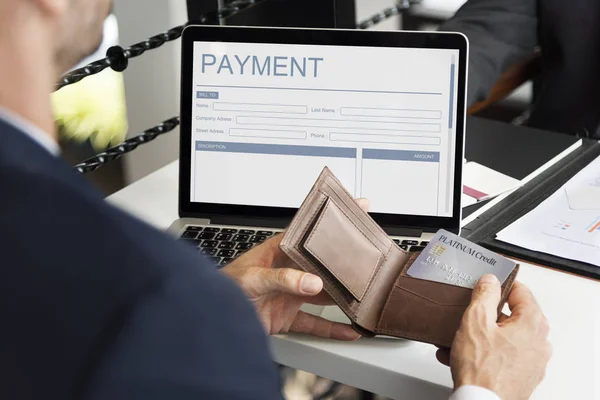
pixel 503 32
pixel 94 109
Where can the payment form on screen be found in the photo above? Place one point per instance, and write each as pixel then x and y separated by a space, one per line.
pixel 268 117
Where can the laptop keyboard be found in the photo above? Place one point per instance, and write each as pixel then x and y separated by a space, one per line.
pixel 223 245
pixel 412 246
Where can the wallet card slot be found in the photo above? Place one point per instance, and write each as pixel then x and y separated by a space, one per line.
pixel 412 316
pixel 438 292
pixel 423 310
pixel 435 292
pixel 427 311
pixel 342 249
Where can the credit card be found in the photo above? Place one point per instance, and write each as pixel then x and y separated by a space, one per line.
pixel 453 260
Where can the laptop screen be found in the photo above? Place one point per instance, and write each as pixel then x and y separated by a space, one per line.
pixel 268 117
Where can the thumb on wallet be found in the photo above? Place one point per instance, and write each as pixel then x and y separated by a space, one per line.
pixel 287 280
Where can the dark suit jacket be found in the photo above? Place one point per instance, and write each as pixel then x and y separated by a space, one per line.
pixel 567 95
pixel 96 305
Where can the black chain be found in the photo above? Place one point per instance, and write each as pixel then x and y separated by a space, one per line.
pixel 117 58
pixel 387 13
pixel 116 152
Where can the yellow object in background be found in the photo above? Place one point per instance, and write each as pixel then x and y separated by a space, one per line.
pixel 94 109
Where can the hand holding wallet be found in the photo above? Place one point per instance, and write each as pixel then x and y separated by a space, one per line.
pixel 364 271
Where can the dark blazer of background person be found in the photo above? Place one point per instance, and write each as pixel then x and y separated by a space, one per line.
pixel 567 95
pixel 96 305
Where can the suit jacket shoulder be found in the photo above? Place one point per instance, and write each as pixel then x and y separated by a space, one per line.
pixel 96 302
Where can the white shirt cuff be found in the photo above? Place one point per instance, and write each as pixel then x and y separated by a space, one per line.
pixel 473 393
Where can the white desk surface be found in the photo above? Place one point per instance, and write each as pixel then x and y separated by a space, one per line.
pixel 402 369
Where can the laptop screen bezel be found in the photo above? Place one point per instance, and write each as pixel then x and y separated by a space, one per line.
pixel 303 36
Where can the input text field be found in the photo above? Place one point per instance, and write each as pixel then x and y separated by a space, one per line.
pixel 358 137
pixel 390 113
pixel 339 123
pixel 261 108
pixel 267 133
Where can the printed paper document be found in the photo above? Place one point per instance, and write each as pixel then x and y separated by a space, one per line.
pixel 567 224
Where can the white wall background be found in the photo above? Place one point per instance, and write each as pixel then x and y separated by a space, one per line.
pixel 151 80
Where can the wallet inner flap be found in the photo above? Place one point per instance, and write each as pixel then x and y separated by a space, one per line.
pixel 332 237
pixel 427 311
pixel 335 192
pixel 423 310
pixel 343 249
pixel 436 292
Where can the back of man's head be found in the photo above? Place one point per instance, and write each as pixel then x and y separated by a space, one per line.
pixel 74 27
pixel 39 41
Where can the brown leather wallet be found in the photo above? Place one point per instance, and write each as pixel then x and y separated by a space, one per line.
pixel 364 271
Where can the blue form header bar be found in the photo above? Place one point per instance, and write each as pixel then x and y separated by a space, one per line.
pixel 207 95
pixel 257 148
pixel 401 155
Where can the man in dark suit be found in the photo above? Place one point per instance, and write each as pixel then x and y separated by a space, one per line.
pixel 97 305
pixel 501 32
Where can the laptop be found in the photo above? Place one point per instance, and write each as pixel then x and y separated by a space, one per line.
pixel 264 110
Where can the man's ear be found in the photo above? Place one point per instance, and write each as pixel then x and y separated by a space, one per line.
pixel 53 8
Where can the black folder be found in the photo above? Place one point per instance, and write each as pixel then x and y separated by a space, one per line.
pixel 484 228
pixel 516 151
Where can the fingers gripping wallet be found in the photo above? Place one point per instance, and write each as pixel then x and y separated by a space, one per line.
pixel 364 271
